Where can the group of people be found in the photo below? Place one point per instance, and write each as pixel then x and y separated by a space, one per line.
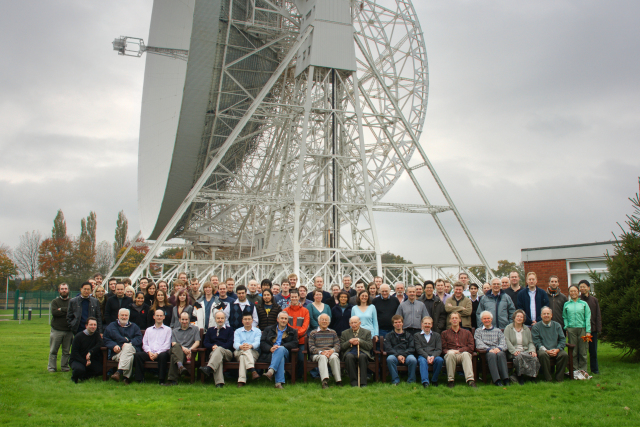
pixel 422 327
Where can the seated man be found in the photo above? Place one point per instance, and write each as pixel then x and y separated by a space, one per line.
pixel 219 340
pixel 156 344
pixel 123 339
pixel 324 348
pixel 86 358
pixel 246 341
pixel 276 343
pixel 399 346
pixel 549 339
pixel 457 345
pixel 185 339
pixel 428 345
pixel 491 339
pixel 355 347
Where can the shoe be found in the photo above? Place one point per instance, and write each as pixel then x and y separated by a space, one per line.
pixel 255 375
pixel 183 370
pixel 207 371
pixel 472 384
pixel 116 376
pixel 339 383
pixel 240 385
pixel 520 380
pixel 425 385
pixel 126 381
pixel 220 385
pixel 394 384
pixel 451 384
pixel 278 385
pixel 325 384
pixel 498 383
pixel 434 384
pixel 74 380
pixel 363 385
pixel 507 382
pixel 269 374
pixel 514 378
pixel 170 383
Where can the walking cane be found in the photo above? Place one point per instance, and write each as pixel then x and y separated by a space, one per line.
pixel 358 363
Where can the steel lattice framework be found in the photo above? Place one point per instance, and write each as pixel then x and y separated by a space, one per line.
pixel 294 165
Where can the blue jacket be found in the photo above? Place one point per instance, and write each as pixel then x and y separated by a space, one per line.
pixel 340 321
pixel 224 339
pixel 116 335
pixel 524 303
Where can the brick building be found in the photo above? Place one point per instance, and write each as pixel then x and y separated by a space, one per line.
pixel 571 263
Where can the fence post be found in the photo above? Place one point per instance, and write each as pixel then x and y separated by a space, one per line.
pixel 41 304
pixel 16 294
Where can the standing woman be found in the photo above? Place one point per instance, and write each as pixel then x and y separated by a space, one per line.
pixel 341 313
pixel 139 311
pixel 129 292
pixel 204 313
pixel 268 310
pixel 98 293
pixel 596 323
pixel 161 303
pixel 335 291
pixel 316 309
pixel 151 294
pixel 182 306
pixel 373 291
pixel 367 313
pixel 521 347
pixel 577 321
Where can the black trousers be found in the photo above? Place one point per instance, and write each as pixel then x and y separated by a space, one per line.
pixel 83 372
pixel 351 361
pixel 162 359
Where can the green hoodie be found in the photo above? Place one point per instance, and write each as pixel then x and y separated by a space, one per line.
pixel 577 314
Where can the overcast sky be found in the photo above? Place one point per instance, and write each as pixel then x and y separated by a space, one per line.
pixel 533 121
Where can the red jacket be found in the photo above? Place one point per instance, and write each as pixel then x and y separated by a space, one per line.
pixel 299 320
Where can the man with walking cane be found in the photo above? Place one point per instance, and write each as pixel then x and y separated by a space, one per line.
pixel 356 346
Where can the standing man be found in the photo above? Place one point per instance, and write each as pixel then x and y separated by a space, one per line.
pixel 156 346
pixel 460 304
pixel 324 348
pixel 399 348
pixel 293 280
pixel 302 292
pixel 276 344
pixel 283 298
pixel 532 299
pixel 399 292
pixel 596 323
pixel 253 296
pixel 354 340
pixel 240 307
pixel 378 282
pixel 359 287
pixel 114 304
pixel 81 308
pixel 550 342
pixel 441 291
pixel 194 290
pixel 219 340
pixel 498 304
pixel 60 335
pixel 428 345
pixel 231 283
pixel 475 302
pixel 412 311
pixel 223 295
pixel 111 284
pixel 386 307
pixel 86 357
pixel 246 341
pixel 298 320
pixel 185 340
pixel 514 289
pixel 346 285
pixel 435 307
pixel 144 283
pixel 98 278
pixel 556 300
pixel 123 339
pixel 318 282
pixel 457 345
pixel 504 282
pixel 464 278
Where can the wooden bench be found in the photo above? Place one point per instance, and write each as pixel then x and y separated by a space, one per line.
pixel 405 368
pixel 109 364
pixel 289 367
pixel 310 364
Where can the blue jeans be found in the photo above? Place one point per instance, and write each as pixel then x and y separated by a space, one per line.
pixel 593 353
pixel 278 359
pixel 424 369
pixel 410 362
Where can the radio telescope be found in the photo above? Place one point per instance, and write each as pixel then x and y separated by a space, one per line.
pixel 272 133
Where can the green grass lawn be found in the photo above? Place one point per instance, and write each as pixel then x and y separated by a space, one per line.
pixel 29 395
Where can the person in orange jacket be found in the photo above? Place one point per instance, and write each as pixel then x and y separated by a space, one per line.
pixel 299 320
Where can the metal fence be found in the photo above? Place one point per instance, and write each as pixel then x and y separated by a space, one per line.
pixel 21 302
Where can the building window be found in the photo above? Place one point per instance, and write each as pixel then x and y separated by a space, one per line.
pixel 579 269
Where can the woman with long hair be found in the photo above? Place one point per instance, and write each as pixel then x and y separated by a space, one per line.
pixel 182 306
pixel 161 303
pixel 150 296
pixel 521 347
pixel 99 294
pixel 268 310
pixel 316 309
pixel 367 313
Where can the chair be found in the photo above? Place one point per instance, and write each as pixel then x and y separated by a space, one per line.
pixel 310 364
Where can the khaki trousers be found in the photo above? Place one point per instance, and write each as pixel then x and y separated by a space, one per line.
pixel 59 339
pixel 246 358
pixel 216 359
pixel 125 359
pixel 453 360
pixel 324 363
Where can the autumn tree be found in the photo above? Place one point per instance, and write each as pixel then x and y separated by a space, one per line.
pixel 504 268
pixel 54 252
pixel 122 228
pixel 133 259
pixel 26 254
pixel 84 249
pixel 7 266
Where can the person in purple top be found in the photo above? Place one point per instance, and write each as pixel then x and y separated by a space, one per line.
pixel 156 346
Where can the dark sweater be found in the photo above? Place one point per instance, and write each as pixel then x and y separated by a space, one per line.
pixel 513 294
pixel 59 319
pixel 83 344
pixel 168 315
pixel 112 307
pixel 114 334
pixel 264 319
pixel 268 339
pixel 223 339
pixel 340 320
pixel 386 309
pixel 426 349
pixel 398 344
pixel 140 318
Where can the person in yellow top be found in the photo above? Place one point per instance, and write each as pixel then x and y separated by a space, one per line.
pixel 577 322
